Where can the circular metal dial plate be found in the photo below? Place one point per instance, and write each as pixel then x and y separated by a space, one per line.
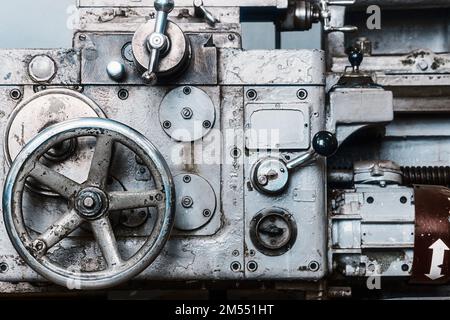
pixel 195 202
pixel 187 114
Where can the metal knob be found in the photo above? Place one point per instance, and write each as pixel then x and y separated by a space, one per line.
pixel 201 11
pixel 157 42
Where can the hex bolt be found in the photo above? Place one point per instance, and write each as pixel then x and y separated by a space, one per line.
pixel 187 113
pixel 187 179
pixel 187 202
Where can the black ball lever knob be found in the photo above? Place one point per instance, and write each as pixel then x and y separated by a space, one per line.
pixel 325 143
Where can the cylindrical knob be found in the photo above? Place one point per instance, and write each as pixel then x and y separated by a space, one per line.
pixel 325 143
pixel 164 5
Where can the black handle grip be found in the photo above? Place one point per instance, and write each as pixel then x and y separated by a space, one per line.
pixel 325 143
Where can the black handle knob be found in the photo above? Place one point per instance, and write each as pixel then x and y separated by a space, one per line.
pixel 355 57
pixel 325 143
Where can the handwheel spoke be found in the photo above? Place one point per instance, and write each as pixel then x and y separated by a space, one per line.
pixel 101 161
pixel 56 181
pixel 124 200
pixel 59 230
pixel 104 234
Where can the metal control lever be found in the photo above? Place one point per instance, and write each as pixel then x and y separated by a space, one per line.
pixel 325 15
pixel 158 42
pixel 325 144
pixel 201 11
pixel 271 175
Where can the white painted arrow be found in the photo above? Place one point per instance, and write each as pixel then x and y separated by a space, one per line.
pixel 439 248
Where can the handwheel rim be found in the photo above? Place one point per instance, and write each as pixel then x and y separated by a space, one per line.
pixel 13 215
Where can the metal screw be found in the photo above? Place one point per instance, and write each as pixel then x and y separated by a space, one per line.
pixel 3 267
pixel 235 152
pixel 231 37
pixel 159 197
pixel 187 179
pixel 252 266
pixel 235 253
pixel 187 113
pixel 167 124
pixel 187 90
pixel 15 94
pixel 302 94
pixel 207 213
pixel 405 267
pixel 403 200
pixel 235 266
pixel 314 266
pixel 252 253
pixel 251 94
pixel 187 202
pixel 82 37
pixel 123 94
pixel 206 124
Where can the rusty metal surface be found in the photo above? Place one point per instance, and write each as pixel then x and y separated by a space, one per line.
pixel 432 235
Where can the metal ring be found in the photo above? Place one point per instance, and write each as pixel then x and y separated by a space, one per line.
pixel 25 165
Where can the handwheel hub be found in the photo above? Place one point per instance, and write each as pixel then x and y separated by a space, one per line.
pixel 91 203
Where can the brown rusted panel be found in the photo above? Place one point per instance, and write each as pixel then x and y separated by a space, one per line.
pixel 432 204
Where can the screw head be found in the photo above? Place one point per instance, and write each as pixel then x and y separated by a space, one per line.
pixel 167 124
pixel 207 213
pixel 187 113
pixel 206 124
pixel 187 202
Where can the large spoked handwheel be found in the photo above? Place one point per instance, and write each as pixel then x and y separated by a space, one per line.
pixel 88 203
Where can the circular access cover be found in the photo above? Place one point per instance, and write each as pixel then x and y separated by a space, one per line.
pixel 187 114
pixel 195 202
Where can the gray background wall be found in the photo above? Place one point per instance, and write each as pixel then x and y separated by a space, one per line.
pixel 43 24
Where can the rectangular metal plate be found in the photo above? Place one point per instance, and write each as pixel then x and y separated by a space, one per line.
pixel 271 126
